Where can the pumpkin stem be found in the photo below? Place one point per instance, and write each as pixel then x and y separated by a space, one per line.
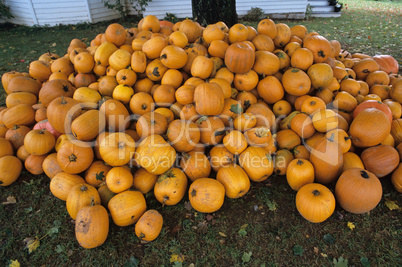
pixel 65 88
pixel 63 100
pixel 141 236
pixel 193 193
pixel 316 192
pixel 92 201
pixel 165 198
pixel 364 174
pixel 348 138
pixel 185 155
pixel 299 162
pixel 72 158
pixel 332 138
pixel 15 127
pixel 84 188
pixel 144 107
pixel 121 145
pixel 42 131
pixel 164 56
pixel 321 53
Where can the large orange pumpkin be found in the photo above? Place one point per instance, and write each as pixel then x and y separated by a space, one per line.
pixel 358 191
pixel 127 207
pixel 170 187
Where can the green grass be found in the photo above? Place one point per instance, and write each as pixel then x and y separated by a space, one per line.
pixel 264 222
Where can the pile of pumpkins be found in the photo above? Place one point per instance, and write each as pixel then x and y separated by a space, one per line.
pixel 176 108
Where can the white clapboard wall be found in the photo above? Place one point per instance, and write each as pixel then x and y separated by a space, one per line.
pixel 54 12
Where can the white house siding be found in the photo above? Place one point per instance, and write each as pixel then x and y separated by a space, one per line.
pixel 159 8
pixel 21 11
pixel 285 9
pixel 99 12
pixel 50 12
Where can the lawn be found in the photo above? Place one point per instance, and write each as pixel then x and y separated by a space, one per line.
pixel 263 228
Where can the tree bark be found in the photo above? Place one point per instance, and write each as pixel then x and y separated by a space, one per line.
pixel 211 11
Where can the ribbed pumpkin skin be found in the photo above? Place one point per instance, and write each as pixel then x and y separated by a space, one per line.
pixel 327 159
pixel 351 160
pixel 380 160
pixel 206 195
pixel 239 58
pixel 209 99
pixel 370 127
pixel 92 226
pixel 358 191
pixel 127 207
pixel 315 202
pixel 149 225
pixel 75 157
pixel 170 187
pixel 234 179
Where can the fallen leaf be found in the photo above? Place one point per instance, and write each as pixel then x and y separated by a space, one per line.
pixel 351 225
pixel 246 256
pixel 391 205
pixel 32 244
pixel 341 262
pixel 187 205
pixel 10 200
pixel 209 217
pixel 177 258
pixel 15 263
pixel 271 205
pixel 316 250
pixel 222 234
pixel 324 255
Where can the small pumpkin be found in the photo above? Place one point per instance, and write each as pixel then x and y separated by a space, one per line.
pixel 92 226
pixel 234 179
pixel 170 187
pixel 315 202
pixel 9 175
pixel 61 184
pixel 75 156
pixel 144 180
pixel 50 165
pixel 39 142
pixel 119 179
pixel 149 225
pixel 127 207
pixel 81 195
pixel 396 178
pixel 299 173
pixel 257 163
pixel 155 154
pixel 195 164
pixel 380 160
pixel 206 195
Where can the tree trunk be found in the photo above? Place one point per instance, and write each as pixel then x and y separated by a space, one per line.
pixel 211 11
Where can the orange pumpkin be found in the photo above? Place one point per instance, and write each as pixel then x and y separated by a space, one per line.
pixel 149 226
pixel 127 207
pixel 234 179
pixel 9 175
pixel 75 156
pixel 380 160
pixel 92 226
pixel 315 202
pixel 170 187
pixel 206 195
pixel 358 191
pixel 239 58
